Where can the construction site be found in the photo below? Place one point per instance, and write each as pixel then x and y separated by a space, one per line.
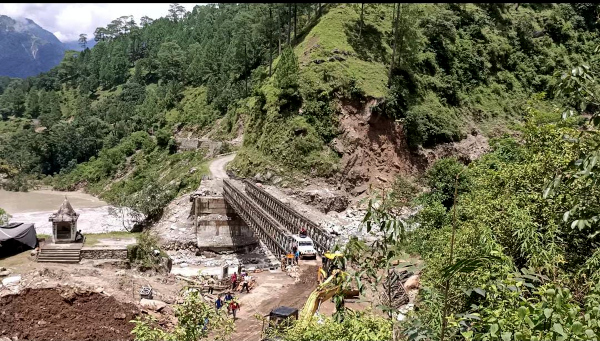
pixel 230 236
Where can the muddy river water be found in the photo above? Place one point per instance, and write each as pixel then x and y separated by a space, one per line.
pixel 44 200
pixel 95 215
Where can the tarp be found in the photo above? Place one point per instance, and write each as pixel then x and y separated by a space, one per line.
pixel 22 233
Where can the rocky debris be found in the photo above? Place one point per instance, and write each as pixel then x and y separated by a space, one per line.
pixel 11 281
pixel 184 258
pixel 154 305
pixel 4 272
pixel 176 227
pixel 466 150
pixel 324 199
pixel 294 272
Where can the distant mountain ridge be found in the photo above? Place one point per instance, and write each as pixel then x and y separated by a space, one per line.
pixel 26 49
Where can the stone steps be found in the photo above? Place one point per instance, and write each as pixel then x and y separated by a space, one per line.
pixel 59 256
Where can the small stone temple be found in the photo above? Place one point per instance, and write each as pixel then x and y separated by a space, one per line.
pixel 64 223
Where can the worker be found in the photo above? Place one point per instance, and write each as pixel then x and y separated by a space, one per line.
pixel 297 256
pixel 78 236
pixel 290 258
pixel 294 247
pixel 228 300
pixel 234 306
pixel 245 283
pixel 211 283
pixel 303 232
pixel 233 280
pixel 219 302
pixel 228 297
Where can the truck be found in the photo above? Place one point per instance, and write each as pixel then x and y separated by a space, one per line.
pixel 305 246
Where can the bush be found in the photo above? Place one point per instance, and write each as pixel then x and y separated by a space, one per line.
pixel 143 253
pixel 441 178
pixel 3 217
pixel 196 320
pixel 431 122
pixel 403 191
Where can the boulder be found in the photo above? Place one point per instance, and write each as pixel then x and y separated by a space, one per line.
pixel 412 283
pixel 154 305
pixel 14 280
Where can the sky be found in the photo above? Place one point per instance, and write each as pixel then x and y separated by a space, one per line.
pixel 67 21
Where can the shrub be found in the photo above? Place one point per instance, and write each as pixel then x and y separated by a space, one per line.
pixel 431 122
pixel 3 217
pixel 143 252
pixel 441 178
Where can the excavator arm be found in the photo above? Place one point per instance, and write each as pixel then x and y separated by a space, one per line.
pixel 323 292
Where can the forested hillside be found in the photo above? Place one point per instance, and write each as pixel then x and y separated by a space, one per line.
pixel 509 241
pixel 106 117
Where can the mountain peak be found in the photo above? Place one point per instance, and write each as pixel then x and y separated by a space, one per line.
pixel 26 49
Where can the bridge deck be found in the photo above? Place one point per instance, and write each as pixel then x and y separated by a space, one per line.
pixel 271 220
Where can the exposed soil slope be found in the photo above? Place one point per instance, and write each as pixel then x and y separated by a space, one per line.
pixel 53 314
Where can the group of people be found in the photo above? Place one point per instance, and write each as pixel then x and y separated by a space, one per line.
pixel 229 300
pixel 245 281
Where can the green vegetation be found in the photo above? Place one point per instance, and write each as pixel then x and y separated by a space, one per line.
pixel 3 216
pixel 92 239
pixel 509 242
pixel 196 320
pixel 146 254
pixel 284 71
pixel 363 326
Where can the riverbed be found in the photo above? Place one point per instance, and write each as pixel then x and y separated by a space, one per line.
pixel 95 215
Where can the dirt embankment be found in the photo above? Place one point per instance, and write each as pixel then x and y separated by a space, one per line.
pixel 375 150
pixel 61 315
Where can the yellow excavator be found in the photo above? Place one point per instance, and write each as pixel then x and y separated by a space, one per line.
pixel 329 264
pixel 327 288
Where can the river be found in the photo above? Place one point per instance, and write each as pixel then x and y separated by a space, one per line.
pixel 95 215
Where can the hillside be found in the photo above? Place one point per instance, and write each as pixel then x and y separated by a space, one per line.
pixel 478 123
pixel 462 75
pixel 309 88
pixel 26 49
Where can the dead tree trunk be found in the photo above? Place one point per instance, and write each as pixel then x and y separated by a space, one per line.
pixel 362 11
pixel 289 26
pixel 395 42
pixel 270 40
pixel 295 19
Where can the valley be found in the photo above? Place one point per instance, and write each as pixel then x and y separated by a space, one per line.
pixel 441 159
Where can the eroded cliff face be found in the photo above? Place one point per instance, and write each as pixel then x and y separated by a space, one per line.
pixel 374 149
pixel 26 49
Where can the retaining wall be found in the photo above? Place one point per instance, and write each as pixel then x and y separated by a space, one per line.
pixel 104 253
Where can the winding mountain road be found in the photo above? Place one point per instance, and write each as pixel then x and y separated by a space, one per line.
pixel 217 166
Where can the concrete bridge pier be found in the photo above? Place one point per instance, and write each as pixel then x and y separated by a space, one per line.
pixel 218 227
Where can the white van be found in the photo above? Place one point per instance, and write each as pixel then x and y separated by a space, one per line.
pixel 305 246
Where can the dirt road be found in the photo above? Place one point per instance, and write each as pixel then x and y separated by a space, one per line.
pixel 273 291
pixel 217 167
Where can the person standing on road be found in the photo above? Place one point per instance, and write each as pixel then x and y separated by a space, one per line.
pixel 233 280
pixel 234 306
pixel 219 302
pixel 297 256
pixel 245 284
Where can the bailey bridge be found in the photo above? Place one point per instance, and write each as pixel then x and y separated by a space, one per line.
pixel 252 213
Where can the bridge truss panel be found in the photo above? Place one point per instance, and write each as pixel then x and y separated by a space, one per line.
pixel 288 217
pixel 276 238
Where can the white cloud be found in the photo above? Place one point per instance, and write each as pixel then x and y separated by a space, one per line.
pixel 67 21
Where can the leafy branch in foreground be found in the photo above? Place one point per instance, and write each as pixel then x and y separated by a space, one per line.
pixel 196 320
